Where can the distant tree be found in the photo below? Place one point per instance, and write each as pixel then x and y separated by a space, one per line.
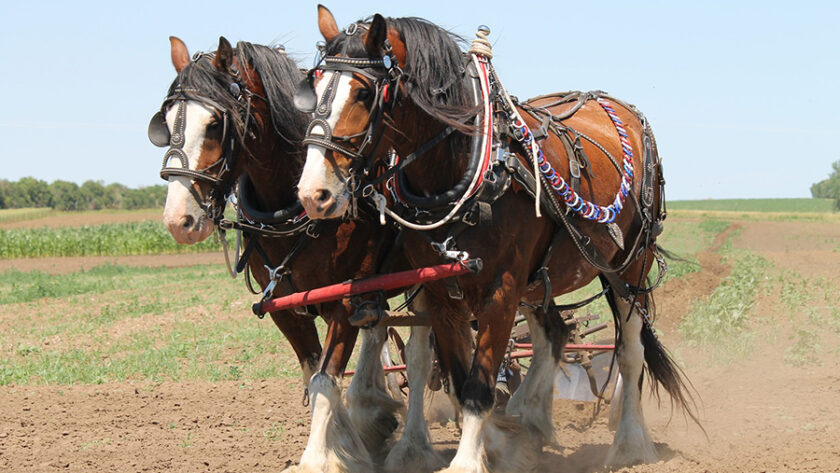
pixel 95 195
pixel 4 186
pixel 66 196
pixel 91 195
pixel 116 194
pixel 28 192
pixel 145 197
pixel 829 188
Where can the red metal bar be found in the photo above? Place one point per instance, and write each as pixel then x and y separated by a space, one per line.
pixel 570 346
pixel 384 282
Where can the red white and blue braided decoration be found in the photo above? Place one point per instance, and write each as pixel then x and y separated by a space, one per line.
pixel 583 207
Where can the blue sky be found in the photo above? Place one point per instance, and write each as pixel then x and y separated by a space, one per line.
pixel 742 96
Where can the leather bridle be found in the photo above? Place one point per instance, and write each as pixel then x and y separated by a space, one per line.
pixel 385 89
pixel 217 175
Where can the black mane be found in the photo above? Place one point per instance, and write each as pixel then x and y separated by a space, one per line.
pixel 279 76
pixel 434 70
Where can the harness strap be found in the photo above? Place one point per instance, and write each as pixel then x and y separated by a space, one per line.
pixel 411 157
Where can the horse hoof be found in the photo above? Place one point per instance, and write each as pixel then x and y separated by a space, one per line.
pixel 631 448
pixel 414 457
pixel 300 469
pixel 365 317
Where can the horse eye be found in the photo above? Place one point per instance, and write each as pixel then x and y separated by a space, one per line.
pixel 215 124
pixel 363 95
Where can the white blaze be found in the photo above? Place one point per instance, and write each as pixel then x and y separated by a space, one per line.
pixel 318 173
pixel 179 201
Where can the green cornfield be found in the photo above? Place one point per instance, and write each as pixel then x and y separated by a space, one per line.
pixel 119 239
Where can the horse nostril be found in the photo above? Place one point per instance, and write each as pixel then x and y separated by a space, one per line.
pixel 322 195
pixel 188 222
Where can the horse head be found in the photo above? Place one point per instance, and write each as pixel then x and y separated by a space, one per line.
pixel 381 84
pixel 196 124
pixel 221 119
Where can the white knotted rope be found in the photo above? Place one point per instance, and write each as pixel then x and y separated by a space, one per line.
pixel 481 45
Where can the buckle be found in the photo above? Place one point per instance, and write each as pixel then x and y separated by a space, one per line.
pixel 312 230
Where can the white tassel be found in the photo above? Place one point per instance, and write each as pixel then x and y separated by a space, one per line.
pixel 539 181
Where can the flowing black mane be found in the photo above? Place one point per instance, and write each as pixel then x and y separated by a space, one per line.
pixel 278 74
pixel 434 70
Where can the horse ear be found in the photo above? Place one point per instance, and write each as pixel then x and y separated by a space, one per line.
pixel 377 33
pixel 326 23
pixel 224 55
pixel 180 55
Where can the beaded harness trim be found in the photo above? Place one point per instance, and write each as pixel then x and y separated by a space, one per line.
pixel 586 209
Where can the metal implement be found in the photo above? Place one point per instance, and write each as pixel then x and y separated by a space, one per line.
pixel 385 282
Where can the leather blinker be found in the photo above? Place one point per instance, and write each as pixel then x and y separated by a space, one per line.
pixel 305 99
pixel 159 131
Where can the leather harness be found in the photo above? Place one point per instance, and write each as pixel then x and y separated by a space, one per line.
pixel 507 166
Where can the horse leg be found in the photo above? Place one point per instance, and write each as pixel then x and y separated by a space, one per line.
pixel 334 445
pixel 372 410
pixel 531 403
pixel 414 452
pixel 303 336
pixel 514 441
pixel 632 443
pixel 477 391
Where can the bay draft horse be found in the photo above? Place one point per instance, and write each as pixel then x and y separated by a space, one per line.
pixel 229 114
pixel 402 83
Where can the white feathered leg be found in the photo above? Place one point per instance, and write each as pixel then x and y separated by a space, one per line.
pixel 334 446
pixel 372 410
pixel 531 403
pixel 632 443
pixel 470 455
pixel 514 442
pixel 413 452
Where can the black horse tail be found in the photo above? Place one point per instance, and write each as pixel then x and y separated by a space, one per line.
pixel 665 372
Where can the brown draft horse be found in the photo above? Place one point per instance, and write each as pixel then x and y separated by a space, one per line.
pixel 230 114
pixel 401 83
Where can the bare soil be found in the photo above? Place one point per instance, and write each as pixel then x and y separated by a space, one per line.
pixel 760 414
pixel 76 219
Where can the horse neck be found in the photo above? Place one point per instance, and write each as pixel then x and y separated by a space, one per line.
pixel 272 163
pixel 437 170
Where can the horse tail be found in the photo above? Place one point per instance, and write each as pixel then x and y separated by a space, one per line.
pixel 665 372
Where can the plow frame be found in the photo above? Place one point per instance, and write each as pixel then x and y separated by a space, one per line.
pixel 577 352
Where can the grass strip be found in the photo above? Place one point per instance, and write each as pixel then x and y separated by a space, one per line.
pixel 755 205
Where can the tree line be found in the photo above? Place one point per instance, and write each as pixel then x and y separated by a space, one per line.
pixel 829 188
pixel 91 195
